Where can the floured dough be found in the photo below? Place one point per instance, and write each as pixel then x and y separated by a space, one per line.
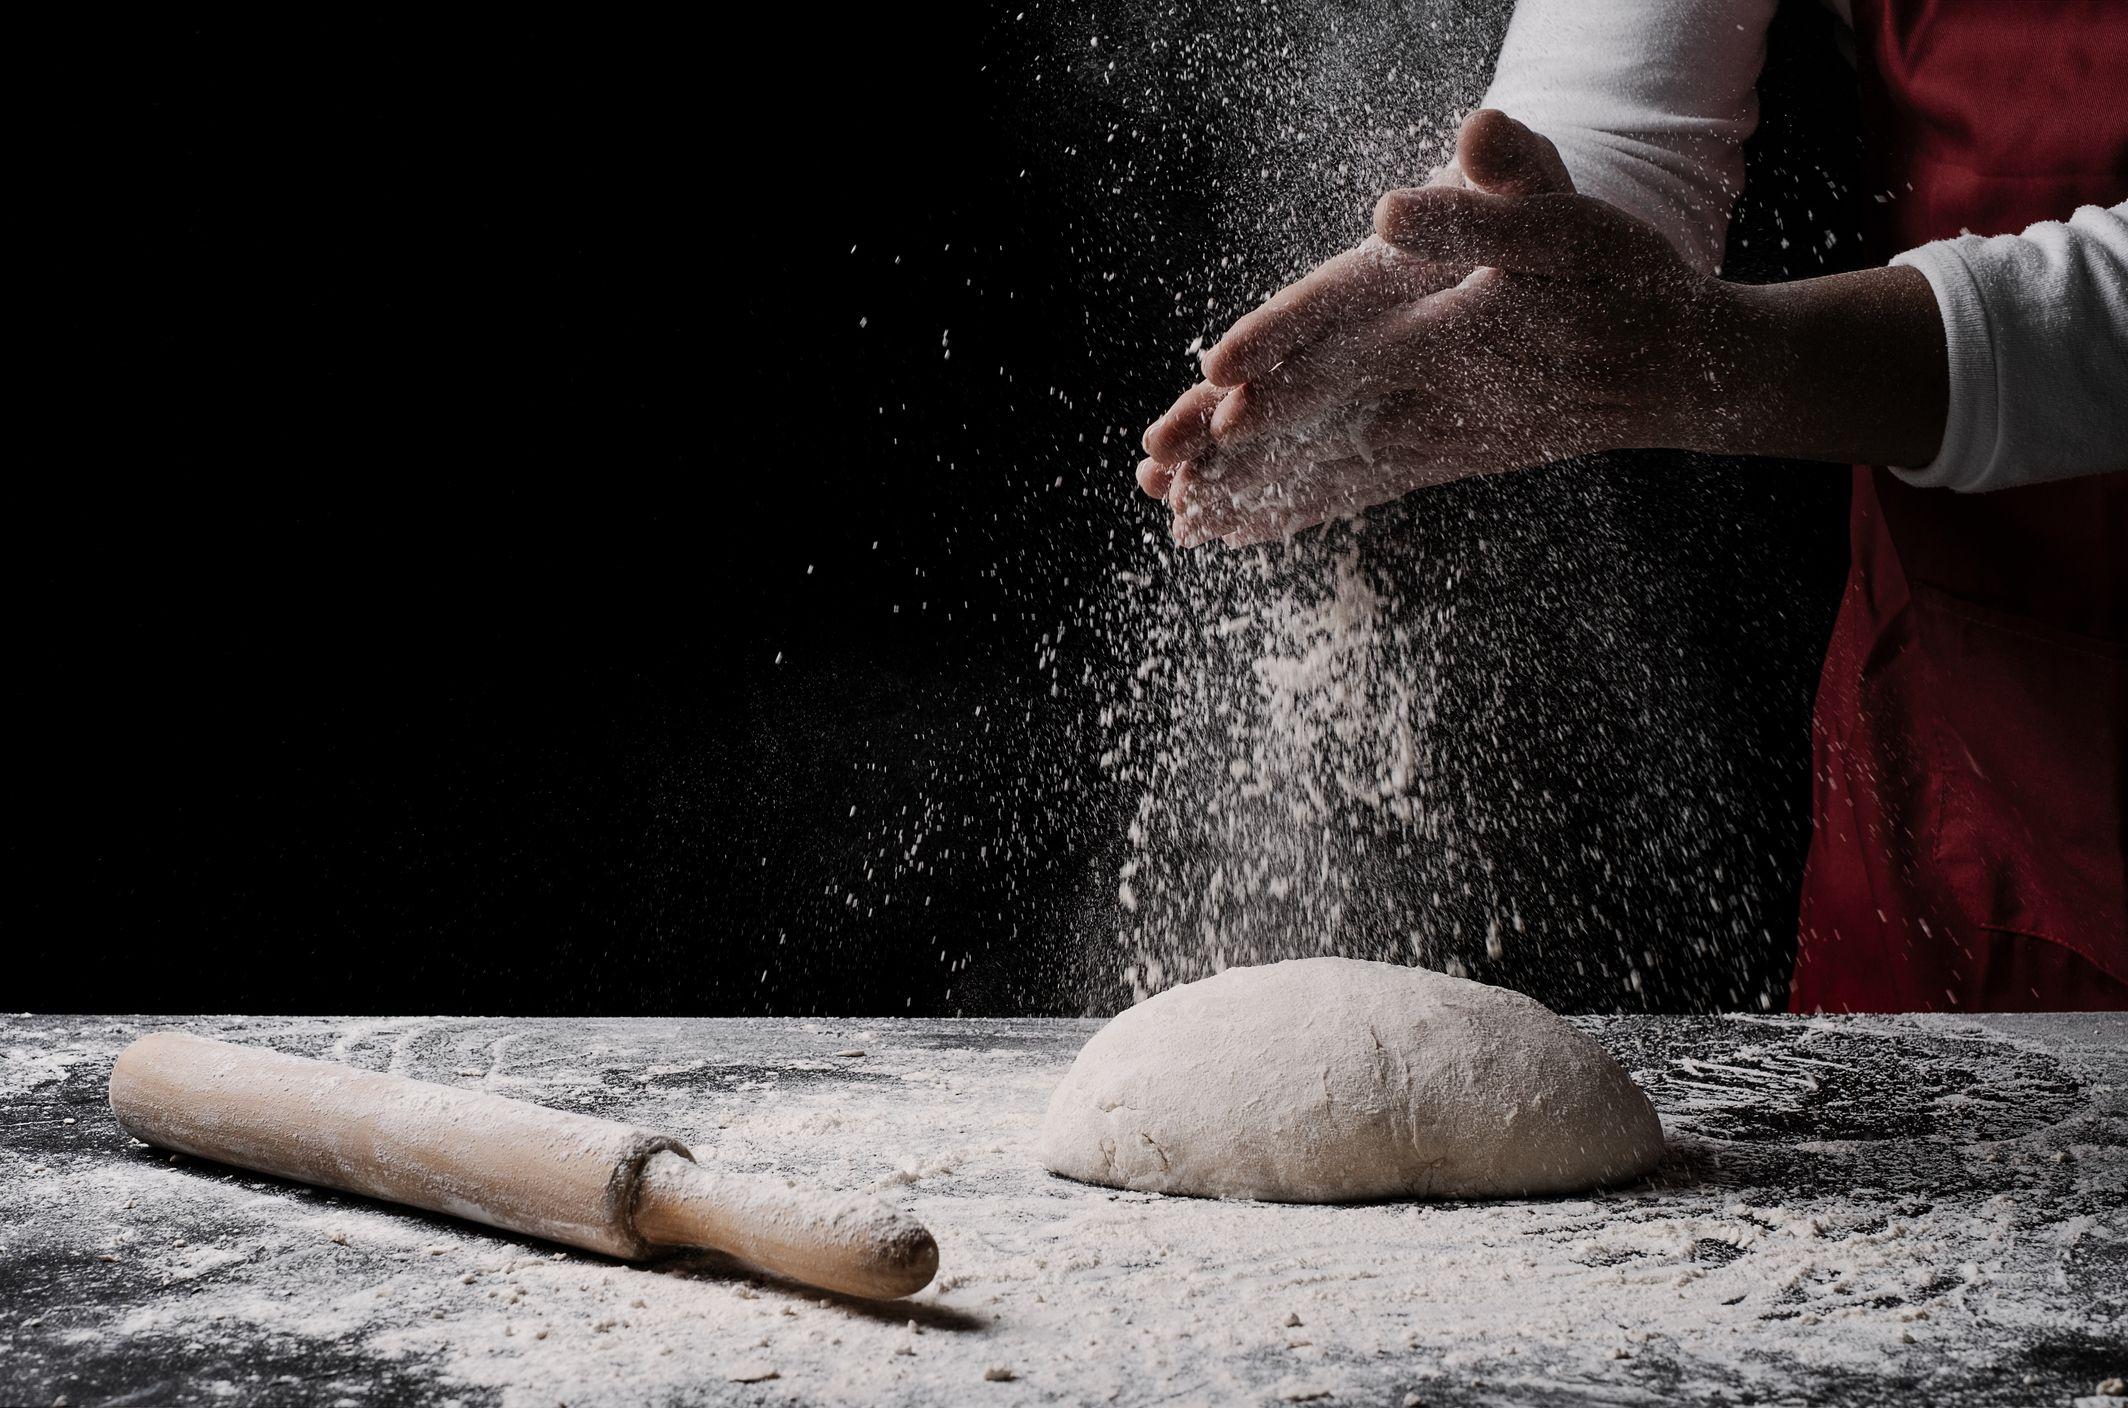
pixel 1329 1080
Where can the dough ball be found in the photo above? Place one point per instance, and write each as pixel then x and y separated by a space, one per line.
pixel 1328 1080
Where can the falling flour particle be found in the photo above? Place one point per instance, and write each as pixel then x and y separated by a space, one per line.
pixel 1270 747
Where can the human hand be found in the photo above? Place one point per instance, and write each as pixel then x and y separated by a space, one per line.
pixel 1488 327
pixel 1347 291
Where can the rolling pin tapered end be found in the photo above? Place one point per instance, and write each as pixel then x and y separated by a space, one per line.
pixel 847 1242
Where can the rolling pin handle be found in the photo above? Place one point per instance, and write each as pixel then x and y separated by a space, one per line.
pixel 851 1243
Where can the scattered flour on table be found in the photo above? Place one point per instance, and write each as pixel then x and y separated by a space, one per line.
pixel 1740 1267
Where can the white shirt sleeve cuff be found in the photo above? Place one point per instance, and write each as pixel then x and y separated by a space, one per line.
pixel 1972 432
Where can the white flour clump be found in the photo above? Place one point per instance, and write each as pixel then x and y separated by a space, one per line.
pixel 1335 1080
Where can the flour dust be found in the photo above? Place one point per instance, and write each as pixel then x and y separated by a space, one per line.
pixel 1546 729
pixel 1480 729
pixel 1272 749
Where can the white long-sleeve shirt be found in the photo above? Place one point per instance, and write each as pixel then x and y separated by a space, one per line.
pixel 1650 102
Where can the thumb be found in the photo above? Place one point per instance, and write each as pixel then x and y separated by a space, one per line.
pixel 1500 155
pixel 1556 236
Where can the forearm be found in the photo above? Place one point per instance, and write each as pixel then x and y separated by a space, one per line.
pixel 1848 368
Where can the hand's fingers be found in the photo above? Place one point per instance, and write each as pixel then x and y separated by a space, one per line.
pixel 1200 522
pixel 1336 489
pixel 1354 488
pixel 1296 516
pixel 1555 236
pixel 1357 284
pixel 1184 428
pixel 1395 426
pixel 1206 523
pixel 1212 509
pixel 1268 530
pixel 1155 478
pixel 1500 155
pixel 1207 509
pixel 1257 409
pixel 1258 466
pixel 1400 349
pixel 1188 485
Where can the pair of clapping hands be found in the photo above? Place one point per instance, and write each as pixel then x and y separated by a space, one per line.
pixel 1494 320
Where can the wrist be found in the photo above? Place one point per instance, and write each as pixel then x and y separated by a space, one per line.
pixel 1849 367
pixel 1741 347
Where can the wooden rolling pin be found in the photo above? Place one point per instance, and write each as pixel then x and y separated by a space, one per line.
pixel 570 1178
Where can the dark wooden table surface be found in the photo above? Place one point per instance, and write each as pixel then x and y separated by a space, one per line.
pixel 1853 1211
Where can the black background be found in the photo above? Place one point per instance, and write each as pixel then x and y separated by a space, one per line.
pixel 515 555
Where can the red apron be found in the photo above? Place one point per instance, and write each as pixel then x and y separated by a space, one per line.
pixel 1971 732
